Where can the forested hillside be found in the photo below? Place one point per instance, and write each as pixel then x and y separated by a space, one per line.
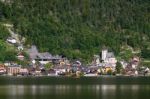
pixel 80 28
pixel 7 52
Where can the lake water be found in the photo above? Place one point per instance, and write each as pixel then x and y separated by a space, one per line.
pixel 73 88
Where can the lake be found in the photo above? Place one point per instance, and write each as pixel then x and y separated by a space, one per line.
pixel 74 88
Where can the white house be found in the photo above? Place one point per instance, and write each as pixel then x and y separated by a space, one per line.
pixel 108 58
pixel 11 40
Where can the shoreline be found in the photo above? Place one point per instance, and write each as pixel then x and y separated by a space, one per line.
pixel 101 80
pixel 60 76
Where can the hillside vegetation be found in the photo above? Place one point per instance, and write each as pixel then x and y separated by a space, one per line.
pixel 7 52
pixel 80 28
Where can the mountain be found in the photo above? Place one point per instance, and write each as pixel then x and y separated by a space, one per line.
pixel 80 28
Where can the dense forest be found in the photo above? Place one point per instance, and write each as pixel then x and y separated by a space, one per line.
pixel 80 28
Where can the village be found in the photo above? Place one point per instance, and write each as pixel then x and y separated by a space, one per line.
pixel 36 63
pixel 46 64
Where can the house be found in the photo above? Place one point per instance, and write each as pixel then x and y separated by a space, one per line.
pixel 23 71
pixel 61 70
pixel 2 69
pixel 7 63
pixel 64 62
pixel 43 58
pixel 20 56
pixel 12 40
pixel 96 60
pixel 108 57
pixel 133 64
pixel 135 60
pixel 13 69
pixel 76 63
pixel 46 57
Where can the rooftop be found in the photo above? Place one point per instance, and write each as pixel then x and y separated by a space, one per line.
pixel 34 54
pixel 110 55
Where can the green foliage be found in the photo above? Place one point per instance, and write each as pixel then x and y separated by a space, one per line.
pixel 118 67
pixel 24 63
pixel 145 53
pixel 10 56
pixel 126 55
pixel 5 53
pixel 79 28
pixel 26 56
pixel 3 33
pixel 147 63
pixel 48 66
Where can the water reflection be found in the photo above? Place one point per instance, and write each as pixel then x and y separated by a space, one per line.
pixel 74 91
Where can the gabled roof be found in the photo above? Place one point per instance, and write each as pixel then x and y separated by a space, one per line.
pixel 45 55
pixel 34 54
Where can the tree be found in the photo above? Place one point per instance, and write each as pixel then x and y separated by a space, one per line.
pixel 48 65
pixel 10 56
pixel 126 54
pixel 118 67
pixel 84 25
pixel 145 53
